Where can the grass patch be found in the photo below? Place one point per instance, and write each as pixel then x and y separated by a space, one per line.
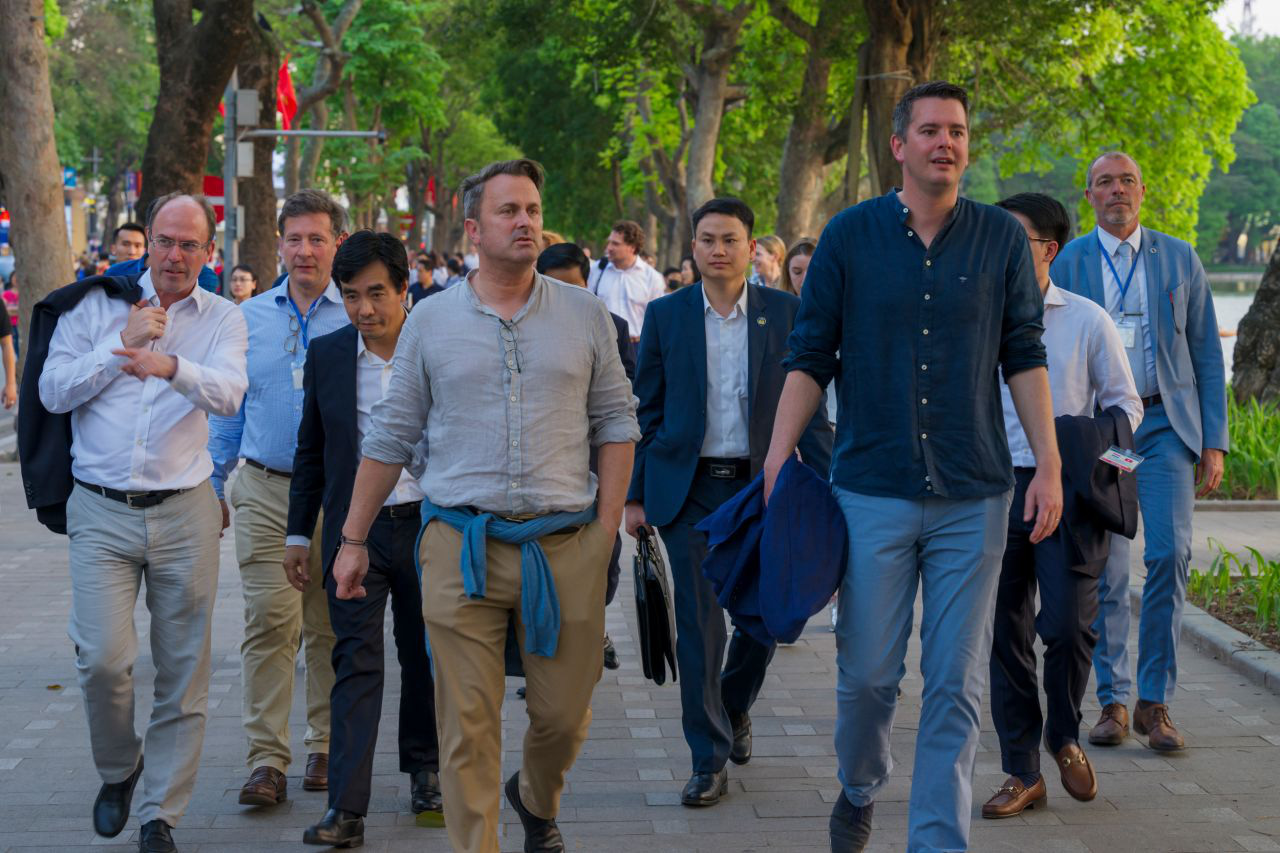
pixel 1252 467
pixel 1241 590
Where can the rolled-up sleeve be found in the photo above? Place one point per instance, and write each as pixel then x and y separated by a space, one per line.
pixel 399 417
pixel 1023 323
pixel 611 407
pixel 815 337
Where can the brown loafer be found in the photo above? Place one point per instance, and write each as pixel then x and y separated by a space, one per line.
pixel 1014 798
pixel 1077 773
pixel 1153 722
pixel 1112 727
pixel 266 786
pixel 317 776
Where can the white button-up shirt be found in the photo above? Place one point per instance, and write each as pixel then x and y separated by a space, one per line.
pixel 628 292
pixel 150 435
pixel 373 375
pixel 726 429
pixel 1115 300
pixel 1087 365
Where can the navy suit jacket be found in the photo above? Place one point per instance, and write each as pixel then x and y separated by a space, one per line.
pixel 671 384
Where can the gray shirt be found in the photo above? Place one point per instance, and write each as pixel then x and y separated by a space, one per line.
pixel 511 409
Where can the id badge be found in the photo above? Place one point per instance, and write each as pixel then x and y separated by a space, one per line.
pixel 297 379
pixel 1128 330
pixel 1125 460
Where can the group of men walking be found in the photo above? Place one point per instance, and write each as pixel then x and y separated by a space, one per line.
pixel 473 461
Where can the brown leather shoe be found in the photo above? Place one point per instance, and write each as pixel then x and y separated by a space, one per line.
pixel 266 786
pixel 1077 773
pixel 1015 798
pixel 1112 727
pixel 317 776
pixel 1153 721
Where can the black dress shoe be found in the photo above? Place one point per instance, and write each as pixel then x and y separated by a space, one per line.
pixel 156 837
pixel 336 829
pixel 111 809
pixel 850 826
pixel 705 789
pixel 541 835
pixel 740 752
pixel 610 654
pixel 424 793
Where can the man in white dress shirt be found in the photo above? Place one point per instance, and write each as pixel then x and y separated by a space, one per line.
pixel 140 382
pixel 627 284
pixel 1088 370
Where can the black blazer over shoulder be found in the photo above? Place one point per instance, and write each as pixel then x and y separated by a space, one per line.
pixel 1097 498
pixel 671 384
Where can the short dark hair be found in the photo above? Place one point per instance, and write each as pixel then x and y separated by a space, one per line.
pixel 1048 216
pixel 935 89
pixel 472 188
pixel 454 266
pixel 129 226
pixel 210 219
pixel 735 207
pixel 246 268
pixel 561 255
pixel 631 232
pixel 313 201
pixel 366 247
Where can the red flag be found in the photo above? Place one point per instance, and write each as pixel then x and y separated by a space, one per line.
pixel 286 98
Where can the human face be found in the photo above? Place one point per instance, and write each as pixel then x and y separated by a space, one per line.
pixel 936 150
pixel 374 305
pixel 241 285
pixel 174 271
pixel 686 271
pixel 307 246
pixel 129 245
pixel 721 249
pixel 798 268
pixel 569 275
pixel 508 229
pixel 766 264
pixel 619 252
pixel 1043 250
pixel 1116 192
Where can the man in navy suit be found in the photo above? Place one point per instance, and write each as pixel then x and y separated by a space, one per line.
pixel 345 374
pixel 1155 290
pixel 708 380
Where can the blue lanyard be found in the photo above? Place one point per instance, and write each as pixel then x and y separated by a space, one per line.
pixel 302 321
pixel 1133 267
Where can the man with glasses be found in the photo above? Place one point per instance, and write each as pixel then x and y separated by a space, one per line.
pixel 140 381
pixel 278 617
pixel 516 376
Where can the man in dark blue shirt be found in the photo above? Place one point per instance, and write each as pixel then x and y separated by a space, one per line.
pixel 926 296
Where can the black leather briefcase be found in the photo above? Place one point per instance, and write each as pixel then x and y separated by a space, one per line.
pixel 654 612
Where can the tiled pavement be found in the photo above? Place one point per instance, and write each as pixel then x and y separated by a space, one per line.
pixel 1221 794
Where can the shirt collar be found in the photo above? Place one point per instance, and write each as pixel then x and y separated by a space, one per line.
pixel 1053 296
pixel 198 295
pixel 1110 242
pixel 739 307
pixel 281 292
pixel 539 284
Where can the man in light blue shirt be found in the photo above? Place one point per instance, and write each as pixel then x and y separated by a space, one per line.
pixel 278 618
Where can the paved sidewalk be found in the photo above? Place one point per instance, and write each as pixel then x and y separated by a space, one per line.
pixel 1221 794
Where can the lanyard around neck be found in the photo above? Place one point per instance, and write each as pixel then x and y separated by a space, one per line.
pixel 1133 267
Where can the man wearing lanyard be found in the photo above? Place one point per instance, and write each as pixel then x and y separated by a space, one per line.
pixel 1154 288
pixel 282 322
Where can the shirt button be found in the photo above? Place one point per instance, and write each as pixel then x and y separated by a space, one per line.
pixel 925 332
pixel 515 444
pixel 924 435
pixel 928 263
pixel 927 297
pixel 910 233
pixel 926 478
pixel 515 484
pixel 924 401
pixel 513 398
pixel 905 210
pixel 928 488
pixel 924 367
pixel 139 442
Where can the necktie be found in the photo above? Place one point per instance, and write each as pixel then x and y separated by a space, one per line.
pixel 1132 308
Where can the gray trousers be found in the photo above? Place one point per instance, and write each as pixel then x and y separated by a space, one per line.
pixel 175 547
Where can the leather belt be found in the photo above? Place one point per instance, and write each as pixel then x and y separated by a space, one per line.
pixel 288 475
pixel 413 509
pixel 724 469
pixel 133 500
pixel 1153 400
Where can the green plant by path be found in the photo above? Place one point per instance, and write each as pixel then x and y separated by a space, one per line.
pixel 1252 467
pixel 1233 584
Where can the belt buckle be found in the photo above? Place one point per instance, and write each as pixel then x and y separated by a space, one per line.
pixel 128 500
pixel 721 471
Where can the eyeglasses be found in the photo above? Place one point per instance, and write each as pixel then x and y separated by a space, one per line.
pixel 188 247
pixel 291 342
pixel 514 360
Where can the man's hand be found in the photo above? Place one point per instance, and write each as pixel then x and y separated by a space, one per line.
pixel 349 569
pixel 226 515
pixel 295 566
pixel 1209 471
pixel 145 363
pixel 10 394
pixel 1044 503
pixel 633 515
pixel 146 323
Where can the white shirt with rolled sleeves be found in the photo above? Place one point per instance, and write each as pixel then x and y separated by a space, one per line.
pixel 628 292
pixel 152 435
pixel 1088 367
pixel 726 434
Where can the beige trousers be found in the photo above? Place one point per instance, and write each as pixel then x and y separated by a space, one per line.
pixel 467 640
pixel 277 620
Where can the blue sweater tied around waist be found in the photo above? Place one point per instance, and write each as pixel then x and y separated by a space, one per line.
pixel 539 606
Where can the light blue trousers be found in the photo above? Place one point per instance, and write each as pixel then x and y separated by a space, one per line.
pixel 1166 494
pixel 952 550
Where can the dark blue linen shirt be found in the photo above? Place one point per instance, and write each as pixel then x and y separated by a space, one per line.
pixel 920 333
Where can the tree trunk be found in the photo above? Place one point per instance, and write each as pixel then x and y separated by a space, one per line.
pixel 309 162
pixel 888 78
pixel 195 62
pixel 115 203
pixel 259 69
pixel 857 119
pixel 292 158
pixel 1256 360
pixel 29 168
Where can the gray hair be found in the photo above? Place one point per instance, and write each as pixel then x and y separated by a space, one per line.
pixel 313 201
pixel 1108 155
pixel 210 218
pixel 472 189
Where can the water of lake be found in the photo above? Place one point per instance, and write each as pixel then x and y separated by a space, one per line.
pixel 1231 301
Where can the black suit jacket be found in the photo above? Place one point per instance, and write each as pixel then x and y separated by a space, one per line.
pixel 626 349
pixel 671 384
pixel 1097 498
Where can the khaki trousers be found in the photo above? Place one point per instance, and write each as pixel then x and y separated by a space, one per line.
pixel 467 639
pixel 277 620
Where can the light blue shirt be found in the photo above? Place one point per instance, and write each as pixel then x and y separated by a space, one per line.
pixel 266 427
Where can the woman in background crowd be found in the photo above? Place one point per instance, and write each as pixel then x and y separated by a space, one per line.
pixel 796 265
pixel 768 261
pixel 244 283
